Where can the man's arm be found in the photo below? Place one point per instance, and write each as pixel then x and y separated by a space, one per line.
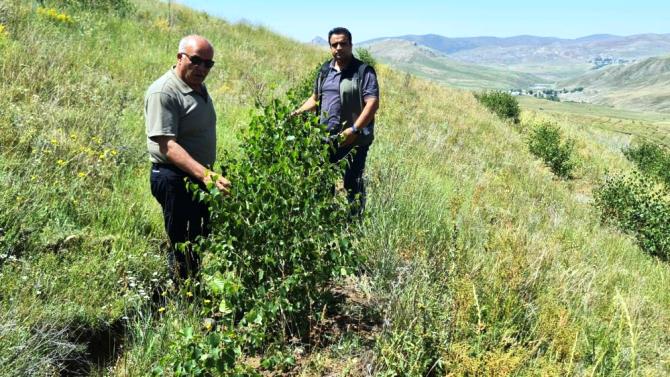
pixel 309 105
pixel 182 159
pixel 368 113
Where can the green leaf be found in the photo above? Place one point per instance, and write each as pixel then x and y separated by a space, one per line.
pixel 224 308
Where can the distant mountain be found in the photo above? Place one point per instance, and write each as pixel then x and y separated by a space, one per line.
pixel 597 38
pixel 318 41
pixel 551 58
pixel 430 63
pixel 644 85
pixel 453 45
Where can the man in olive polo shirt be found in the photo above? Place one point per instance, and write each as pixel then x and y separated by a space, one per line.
pixel 181 139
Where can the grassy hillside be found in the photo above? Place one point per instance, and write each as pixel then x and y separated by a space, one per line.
pixel 425 62
pixel 479 261
pixel 641 86
pixel 620 124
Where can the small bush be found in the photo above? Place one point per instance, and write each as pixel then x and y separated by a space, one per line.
pixel 502 104
pixel 637 205
pixel 545 141
pixel 651 159
pixel 277 242
pixel 366 57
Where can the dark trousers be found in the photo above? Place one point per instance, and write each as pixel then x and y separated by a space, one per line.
pixel 185 218
pixel 353 174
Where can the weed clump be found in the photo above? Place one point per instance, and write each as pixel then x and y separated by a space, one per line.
pixel 502 104
pixel 545 141
pixel 651 159
pixel 637 205
pixel 121 7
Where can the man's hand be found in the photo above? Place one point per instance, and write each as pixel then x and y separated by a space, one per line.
pixel 220 182
pixel 348 136
pixel 309 105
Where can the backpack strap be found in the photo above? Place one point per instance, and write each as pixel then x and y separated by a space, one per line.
pixel 320 79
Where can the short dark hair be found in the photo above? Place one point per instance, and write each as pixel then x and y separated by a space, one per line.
pixel 339 30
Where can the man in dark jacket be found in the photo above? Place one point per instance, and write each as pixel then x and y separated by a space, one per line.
pixel 346 96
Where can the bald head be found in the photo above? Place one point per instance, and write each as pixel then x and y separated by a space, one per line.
pixel 193 41
pixel 195 52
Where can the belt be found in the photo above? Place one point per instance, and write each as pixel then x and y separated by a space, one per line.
pixel 158 166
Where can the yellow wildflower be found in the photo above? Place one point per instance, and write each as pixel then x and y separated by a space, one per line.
pixel 208 325
pixel 206 301
pixel 54 141
pixel 54 15
pixel 81 174
pixel 189 294
pixel 3 31
pixel 33 177
pixel 60 162
pixel 161 309
pixel 162 24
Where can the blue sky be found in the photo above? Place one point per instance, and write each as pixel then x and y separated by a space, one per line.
pixel 367 19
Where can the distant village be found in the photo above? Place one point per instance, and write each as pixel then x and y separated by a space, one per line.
pixel 603 61
pixel 548 93
pixel 543 92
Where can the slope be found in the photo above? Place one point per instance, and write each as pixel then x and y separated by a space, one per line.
pixel 479 261
pixel 550 58
pixel 431 64
pixel 644 85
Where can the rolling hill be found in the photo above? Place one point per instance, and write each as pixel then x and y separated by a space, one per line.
pixel 430 63
pixel 644 85
pixel 551 58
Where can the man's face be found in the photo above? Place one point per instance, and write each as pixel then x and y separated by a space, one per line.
pixel 340 47
pixel 192 64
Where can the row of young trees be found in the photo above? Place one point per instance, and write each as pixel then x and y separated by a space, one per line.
pixel 638 203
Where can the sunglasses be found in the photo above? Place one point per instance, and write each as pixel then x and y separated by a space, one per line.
pixel 196 60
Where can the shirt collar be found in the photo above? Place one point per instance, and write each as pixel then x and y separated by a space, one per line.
pixel 183 87
pixel 349 67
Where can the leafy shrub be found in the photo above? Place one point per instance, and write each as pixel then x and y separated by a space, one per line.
pixel 651 159
pixel 502 104
pixel 200 354
pixel 281 235
pixel 366 57
pixel 545 141
pixel 637 205
pixel 277 240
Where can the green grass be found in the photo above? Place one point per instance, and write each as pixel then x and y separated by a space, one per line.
pixel 650 126
pixel 480 262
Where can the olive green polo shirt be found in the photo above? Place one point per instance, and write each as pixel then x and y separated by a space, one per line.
pixel 172 108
